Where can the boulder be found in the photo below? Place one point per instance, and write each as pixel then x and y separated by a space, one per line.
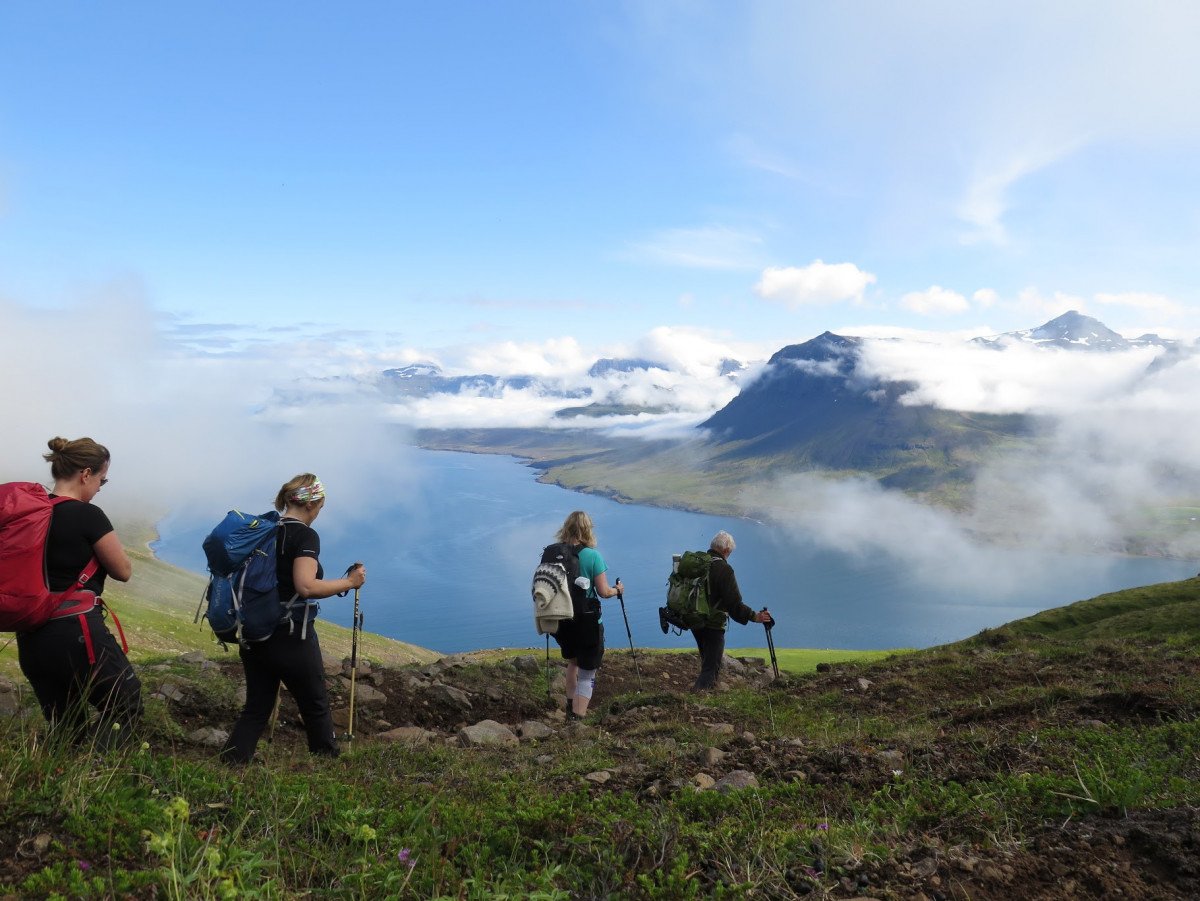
pixel 533 730
pixel 703 781
pixel 409 735
pixel 713 756
pixel 193 657
pixel 526 663
pixel 209 737
pixel 736 781
pixel 169 691
pixel 599 777
pixel 733 665
pixel 487 733
pixel 448 694
pixel 9 705
pixel 364 694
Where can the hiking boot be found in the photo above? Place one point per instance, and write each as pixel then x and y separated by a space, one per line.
pixel 662 620
pixel 570 708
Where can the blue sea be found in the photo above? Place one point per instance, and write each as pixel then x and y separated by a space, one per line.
pixel 449 568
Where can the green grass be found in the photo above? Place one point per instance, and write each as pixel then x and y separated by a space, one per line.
pixel 1168 610
pixel 1073 721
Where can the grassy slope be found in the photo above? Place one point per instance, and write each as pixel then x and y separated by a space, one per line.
pixel 1055 757
pixel 1169 610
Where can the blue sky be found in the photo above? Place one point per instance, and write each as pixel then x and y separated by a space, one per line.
pixel 409 177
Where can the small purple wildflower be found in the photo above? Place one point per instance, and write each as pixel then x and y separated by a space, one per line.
pixel 824 827
pixel 405 857
pixel 84 865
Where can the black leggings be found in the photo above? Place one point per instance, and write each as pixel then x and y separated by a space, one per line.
pixel 54 659
pixel 297 663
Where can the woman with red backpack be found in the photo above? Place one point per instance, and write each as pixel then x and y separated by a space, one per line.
pixel 74 660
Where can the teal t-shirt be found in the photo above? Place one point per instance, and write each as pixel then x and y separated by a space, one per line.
pixel 591 564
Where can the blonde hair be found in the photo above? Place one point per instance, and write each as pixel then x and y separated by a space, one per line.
pixel 297 485
pixel 577 529
pixel 69 457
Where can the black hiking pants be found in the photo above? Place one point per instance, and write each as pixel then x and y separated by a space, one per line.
pixel 711 643
pixel 54 659
pixel 297 664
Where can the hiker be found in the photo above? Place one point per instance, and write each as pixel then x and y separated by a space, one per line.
pixel 581 639
pixel 725 596
pixel 292 655
pixel 73 658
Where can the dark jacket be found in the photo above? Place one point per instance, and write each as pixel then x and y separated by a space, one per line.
pixel 723 591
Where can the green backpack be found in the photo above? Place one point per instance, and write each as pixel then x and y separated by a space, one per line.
pixel 687 593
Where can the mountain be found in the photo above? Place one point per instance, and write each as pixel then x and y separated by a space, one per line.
pixel 609 364
pixel 426 379
pixel 811 408
pixel 1075 331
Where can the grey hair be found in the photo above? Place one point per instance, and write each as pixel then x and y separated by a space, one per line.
pixel 722 543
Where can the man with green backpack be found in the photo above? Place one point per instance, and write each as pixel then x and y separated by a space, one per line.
pixel 702 593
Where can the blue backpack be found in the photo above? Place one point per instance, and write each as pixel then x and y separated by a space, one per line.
pixel 243 599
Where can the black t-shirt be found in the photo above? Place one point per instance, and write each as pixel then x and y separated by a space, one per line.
pixel 298 540
pixel 74 528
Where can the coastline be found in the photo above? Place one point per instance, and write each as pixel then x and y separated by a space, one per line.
pixel 569 462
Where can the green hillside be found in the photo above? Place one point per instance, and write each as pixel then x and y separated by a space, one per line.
pixel 1168 611
pixel 1056 757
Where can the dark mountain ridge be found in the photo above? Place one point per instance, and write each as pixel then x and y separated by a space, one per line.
pixel 812 408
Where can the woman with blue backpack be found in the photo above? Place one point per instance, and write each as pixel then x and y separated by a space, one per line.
pixel 292 653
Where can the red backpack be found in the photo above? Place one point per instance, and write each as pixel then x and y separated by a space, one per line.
pixel 26 601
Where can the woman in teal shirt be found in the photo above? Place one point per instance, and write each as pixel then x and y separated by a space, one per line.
pixel 582 638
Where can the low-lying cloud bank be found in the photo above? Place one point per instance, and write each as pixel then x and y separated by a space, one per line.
pixel 196 422
pixel 1115 459
pixel 198 416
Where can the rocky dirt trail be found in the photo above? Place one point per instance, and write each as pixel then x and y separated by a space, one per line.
pixel 663 739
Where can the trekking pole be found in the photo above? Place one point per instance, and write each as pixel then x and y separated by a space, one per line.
pixel 275 714
pixel 355 629
pixel 547 666
pixel 632 652
pixel 767 626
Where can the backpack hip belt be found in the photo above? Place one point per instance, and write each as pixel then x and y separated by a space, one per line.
pixel 80 602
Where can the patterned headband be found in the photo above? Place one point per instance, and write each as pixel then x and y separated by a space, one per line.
pixel 313 492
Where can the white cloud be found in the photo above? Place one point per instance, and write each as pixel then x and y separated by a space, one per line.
pixel 986 297
pixel 1019 379
pixel 1154 303
pixel 816 284
pixel 705 247
pixel 1031 302
pixel 696 351
pixel 935 300
pixel 186 429
pixel 552 357
pixel 986 198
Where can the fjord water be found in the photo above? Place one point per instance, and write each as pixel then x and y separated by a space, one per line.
pixel 449 569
